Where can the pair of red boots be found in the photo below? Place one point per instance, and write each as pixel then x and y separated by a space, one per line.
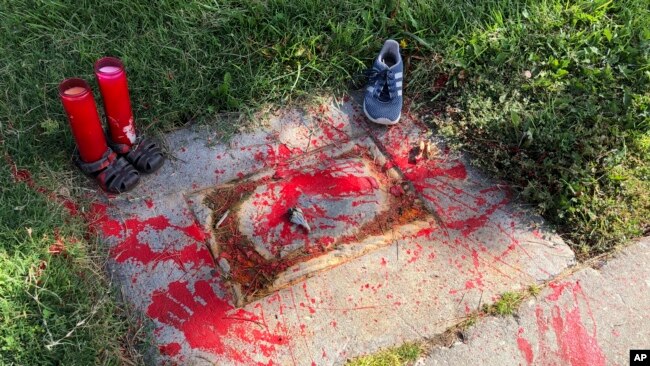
pixel 117 158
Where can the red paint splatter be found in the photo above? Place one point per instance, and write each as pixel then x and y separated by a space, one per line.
pixel 207 320
pixel 475 260
pixel 468 226
pixel 24 176
pixel 525 347
pixel 514 244
pixel 574 344
pixel 171 349
pixel 416 253
pixel 331 129
pixel 204 318
pixel 58 247
pixel 332 183
pixel 431 179
pixel 249 268
pixel 130 247
pixel 558 289
pixel 149 202
pixel 72 207
pixel 426 232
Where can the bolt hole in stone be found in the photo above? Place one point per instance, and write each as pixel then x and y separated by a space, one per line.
pixel 342 200
pixel 425 149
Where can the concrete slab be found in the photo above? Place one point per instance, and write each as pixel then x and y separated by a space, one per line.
pixel 368 289
pixel 200 159
pixel 593 317
pixel 337 198
pixel 477 212
pixel 345 196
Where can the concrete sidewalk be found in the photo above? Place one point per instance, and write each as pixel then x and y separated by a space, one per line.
pixel 402 246
pixel 592 317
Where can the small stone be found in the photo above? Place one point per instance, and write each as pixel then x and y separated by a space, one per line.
pixel 225 266
pixel 297 217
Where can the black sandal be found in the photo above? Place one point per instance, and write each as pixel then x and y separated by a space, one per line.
pixel 113 173
pixel 144 154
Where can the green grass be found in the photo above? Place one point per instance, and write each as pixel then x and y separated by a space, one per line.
pixel 507 304
pixel 556 99
pixel 534 289
pixel 551 96
pixel 405 354
pixel 55 307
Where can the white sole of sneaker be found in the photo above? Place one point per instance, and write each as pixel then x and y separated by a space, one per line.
pixel 381 120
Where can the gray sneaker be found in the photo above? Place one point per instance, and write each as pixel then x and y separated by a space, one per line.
pixel 383 98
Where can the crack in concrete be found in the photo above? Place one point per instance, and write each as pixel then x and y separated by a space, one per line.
pixel 595 263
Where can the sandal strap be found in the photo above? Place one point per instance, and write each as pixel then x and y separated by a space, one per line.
pixel 144 154
pixel 118 177
pixel 95 166
pixel 113 173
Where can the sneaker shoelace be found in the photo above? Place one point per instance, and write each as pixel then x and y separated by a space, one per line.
pixel 385 79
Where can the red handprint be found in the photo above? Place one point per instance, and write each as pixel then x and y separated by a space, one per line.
pixel 207 321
